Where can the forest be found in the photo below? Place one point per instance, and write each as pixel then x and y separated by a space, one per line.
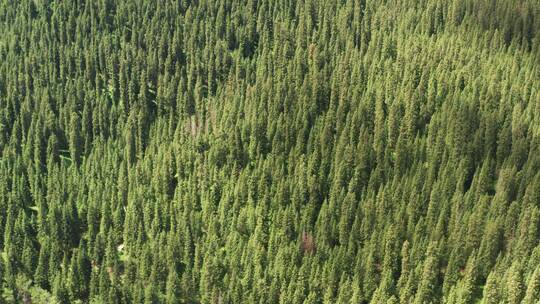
pixel 270 151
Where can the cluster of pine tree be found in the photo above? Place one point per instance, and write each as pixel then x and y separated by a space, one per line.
pixel 270 151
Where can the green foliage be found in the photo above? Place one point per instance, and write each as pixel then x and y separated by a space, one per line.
pixel 270 151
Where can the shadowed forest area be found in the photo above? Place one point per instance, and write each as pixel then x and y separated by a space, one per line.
pixel 270 151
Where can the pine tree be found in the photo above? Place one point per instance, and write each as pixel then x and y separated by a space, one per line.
pixel 514 284
pixel 76 143
pixel 532 295
pixel 172 288
pixel 492 289
pixel 467 287
pixel 427 289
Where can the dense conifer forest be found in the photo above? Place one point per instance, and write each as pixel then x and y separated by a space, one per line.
pixel 270 151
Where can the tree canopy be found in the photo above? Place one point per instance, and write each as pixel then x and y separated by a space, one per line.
pixel 271 151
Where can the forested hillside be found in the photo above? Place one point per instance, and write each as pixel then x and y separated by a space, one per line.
pixel 270 151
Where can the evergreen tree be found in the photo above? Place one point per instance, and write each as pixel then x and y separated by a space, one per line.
pixel 427 290
pixel 532 294
pixel 514 284
pixel 76 143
